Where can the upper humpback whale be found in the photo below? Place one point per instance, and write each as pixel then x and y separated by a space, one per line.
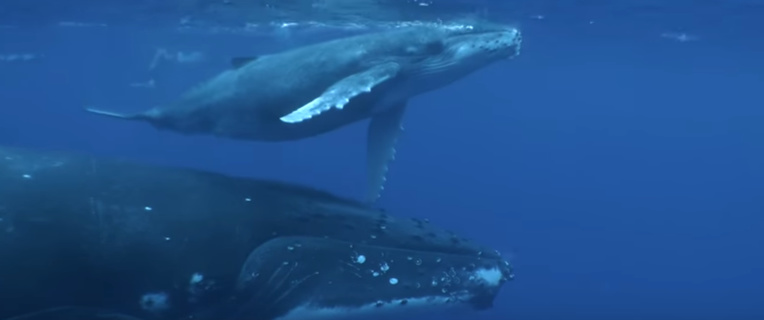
pixel 318 88
pixel 86 238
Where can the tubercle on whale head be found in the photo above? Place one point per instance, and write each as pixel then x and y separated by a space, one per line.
pixel 517 39
pixel 484 35
pixel 485 45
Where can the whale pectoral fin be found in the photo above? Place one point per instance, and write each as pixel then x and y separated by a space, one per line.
pixel 239 62
pixel 339 94
pixel 384 130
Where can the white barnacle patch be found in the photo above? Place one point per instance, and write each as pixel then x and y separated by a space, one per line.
pixel 26 176
pixel 196 278
pixel 384 267
pixel 491 277
pixel 167 238
pixel 196 287
pixel 147 208
pixel 393 281
pixel 154 302
pixel 247 199
pixel 360 259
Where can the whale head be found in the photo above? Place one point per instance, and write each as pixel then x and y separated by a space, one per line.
pixel 456 50
pixel 383 267
pixel 481 46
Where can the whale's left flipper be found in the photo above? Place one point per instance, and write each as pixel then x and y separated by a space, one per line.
pixel 384 130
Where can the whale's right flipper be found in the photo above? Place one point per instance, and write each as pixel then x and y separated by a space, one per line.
pixel 384 130
pixel 339 94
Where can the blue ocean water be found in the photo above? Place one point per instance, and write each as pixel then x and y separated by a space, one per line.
pixel 617 161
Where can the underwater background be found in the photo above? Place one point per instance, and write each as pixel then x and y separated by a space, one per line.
pixel 618 161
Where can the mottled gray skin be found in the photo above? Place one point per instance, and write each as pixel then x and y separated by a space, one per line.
pixel 86 238
pixel 247 102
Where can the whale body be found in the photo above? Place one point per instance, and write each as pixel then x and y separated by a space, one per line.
pixel 314 89
pixel 86 238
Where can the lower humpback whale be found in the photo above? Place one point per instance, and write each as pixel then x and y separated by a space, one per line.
pixel 86 238
pixel 317 88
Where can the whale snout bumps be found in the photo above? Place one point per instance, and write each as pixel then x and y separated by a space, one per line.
pixel 513 39
pixel 505 43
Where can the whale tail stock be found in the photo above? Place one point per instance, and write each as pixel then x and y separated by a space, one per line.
pixel 125 116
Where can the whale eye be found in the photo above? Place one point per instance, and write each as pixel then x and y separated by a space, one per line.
pixel 434 47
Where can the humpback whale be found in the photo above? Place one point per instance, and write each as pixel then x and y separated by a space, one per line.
pixel 86 238
pixel 318 88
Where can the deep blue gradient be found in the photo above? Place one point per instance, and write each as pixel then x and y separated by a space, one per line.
pixel 621 171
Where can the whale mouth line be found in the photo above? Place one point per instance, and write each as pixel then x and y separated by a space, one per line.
pixel 308 311
pixel 289 275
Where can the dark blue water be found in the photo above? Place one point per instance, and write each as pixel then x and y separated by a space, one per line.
pixel 620 168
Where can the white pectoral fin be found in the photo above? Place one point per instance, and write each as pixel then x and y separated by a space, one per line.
pixel 384 130
pixel 339 94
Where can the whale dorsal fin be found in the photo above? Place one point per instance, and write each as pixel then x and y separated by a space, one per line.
pixel 340 93
pixel 384 130
pixel 238 62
